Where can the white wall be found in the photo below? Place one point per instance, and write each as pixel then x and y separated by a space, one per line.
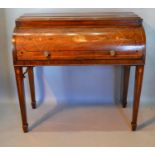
pixel 74 85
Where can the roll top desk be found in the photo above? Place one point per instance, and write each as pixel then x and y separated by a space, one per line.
pixel 79 39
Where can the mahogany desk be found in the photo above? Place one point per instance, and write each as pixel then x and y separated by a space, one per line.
pixel 79 39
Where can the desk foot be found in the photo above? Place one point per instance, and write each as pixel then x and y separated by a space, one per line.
pixel 133 126
pixel 34 106
pixel 25 128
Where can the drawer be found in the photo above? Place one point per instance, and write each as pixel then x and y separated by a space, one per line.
pixel 76 55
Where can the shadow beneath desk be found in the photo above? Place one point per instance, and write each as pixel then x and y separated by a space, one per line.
pixel 74 84
pixel 82 87
pixel 49 114
pixel 88 84
pixel 78 118
pixel 146 123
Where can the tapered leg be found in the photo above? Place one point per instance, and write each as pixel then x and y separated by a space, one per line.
pixel 137 92
pixel 32 87
pixel 21 96
pixel 125 85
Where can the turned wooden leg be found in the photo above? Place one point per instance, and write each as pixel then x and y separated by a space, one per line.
pixel 32 87
pixel 21 96
pixel 125 85
pixel 137 92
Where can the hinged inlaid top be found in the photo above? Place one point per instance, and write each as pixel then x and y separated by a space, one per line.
pixel 79 19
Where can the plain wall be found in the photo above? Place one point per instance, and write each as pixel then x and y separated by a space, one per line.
pixel 74 84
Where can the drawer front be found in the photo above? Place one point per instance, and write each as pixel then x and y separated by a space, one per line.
pixel 77 55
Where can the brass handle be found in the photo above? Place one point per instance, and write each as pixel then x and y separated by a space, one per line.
pixel 112 53
pixel 47 54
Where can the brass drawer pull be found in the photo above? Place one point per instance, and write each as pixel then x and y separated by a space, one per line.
pixel 47 54
pixel 113 53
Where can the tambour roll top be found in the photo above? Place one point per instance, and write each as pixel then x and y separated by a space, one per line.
pixel 79 36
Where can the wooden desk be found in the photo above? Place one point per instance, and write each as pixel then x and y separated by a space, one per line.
pixel 79 39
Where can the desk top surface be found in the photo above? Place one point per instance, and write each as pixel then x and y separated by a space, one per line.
pixel 95 18
pixel 77 15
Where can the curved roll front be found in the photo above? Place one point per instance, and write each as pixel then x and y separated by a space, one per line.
pixel 127 41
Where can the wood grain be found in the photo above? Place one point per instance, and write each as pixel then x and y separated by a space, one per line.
pixel 125 85
pixel 137 92
pixel 32 87
pixel 21 94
